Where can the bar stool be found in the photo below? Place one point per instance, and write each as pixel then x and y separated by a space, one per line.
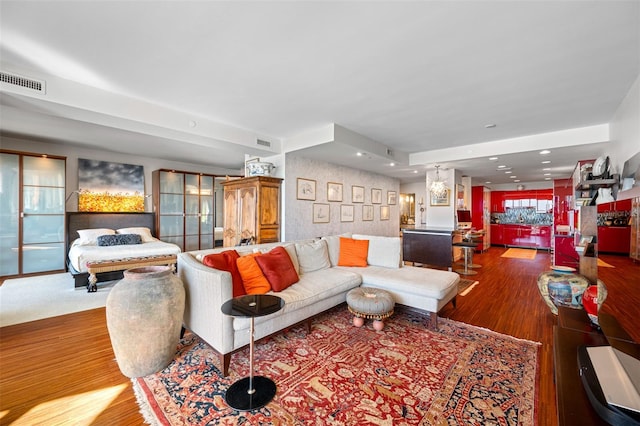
pixel 475 237
pixel 468 248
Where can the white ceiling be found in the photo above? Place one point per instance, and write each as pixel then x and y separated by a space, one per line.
pixel 415 76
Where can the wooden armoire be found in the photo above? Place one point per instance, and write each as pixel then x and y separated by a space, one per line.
pixel 251 210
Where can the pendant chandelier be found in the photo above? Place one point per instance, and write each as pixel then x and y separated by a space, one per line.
pixel 438 188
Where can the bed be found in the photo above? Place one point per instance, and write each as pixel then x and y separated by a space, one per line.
pixel 81 252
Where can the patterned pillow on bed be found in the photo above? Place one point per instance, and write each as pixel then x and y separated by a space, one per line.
pixel 119 239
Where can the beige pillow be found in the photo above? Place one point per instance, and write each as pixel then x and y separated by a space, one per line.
pixel 333 245
pixel 313 256
pixel 144 232
pixel 89 237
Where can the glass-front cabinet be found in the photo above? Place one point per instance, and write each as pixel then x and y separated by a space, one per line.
pixel 32 208
pixel 185 208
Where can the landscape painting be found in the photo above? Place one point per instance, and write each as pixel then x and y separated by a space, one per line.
pixel 105 186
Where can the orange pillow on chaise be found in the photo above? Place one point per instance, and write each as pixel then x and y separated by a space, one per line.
pixel 253 279
pixel 353 252
pixel 226 261
pixel 278 268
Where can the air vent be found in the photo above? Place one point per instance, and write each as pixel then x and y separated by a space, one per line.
pixel 14 80
pixel 264 143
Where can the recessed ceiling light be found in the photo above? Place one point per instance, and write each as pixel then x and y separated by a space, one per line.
pixel 508 171
pixel 488 181
pixel 547 178
pixel 547 174
pixel 493 158
pixel 415 171
pixel 359 154
pixel 392 164
pixel 545 152
pixel 502 166
pixel 489 126
pixel 546 168
pixel 517 180
pixel 546 162
pixel 513 177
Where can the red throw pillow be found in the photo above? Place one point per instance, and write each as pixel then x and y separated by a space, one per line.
pixel 353 252
pixel 252 278
pixel 278 268
pixel 226 261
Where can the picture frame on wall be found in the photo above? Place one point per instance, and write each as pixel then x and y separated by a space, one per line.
pixel 346 213
pixel 334 191
pixel 376 196
pixel 367 212
pixel 440 201
pixel 384 212
pixel 306 189
pixel 357 194
pixel 392 197
pixel 321 213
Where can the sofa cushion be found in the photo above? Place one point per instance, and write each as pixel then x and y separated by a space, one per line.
pixel 278 268
pixel 410 280
pixel 253 279
pixel 353 252
pixel 383 251
pixel 313 256
pixel 226 261
pixel 333 244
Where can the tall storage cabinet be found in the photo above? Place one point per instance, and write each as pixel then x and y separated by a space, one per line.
pixel 251 210
pixel 32 208
pixel 185 208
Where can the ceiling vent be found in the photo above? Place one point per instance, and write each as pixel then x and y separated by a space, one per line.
pixel 264 143
pixel 14 81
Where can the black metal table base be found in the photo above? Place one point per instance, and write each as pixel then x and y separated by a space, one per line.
pixel 238 395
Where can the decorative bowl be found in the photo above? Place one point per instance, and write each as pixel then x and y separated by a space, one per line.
pixel 260 168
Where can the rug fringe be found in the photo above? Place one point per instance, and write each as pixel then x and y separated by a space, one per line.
pixel 145 409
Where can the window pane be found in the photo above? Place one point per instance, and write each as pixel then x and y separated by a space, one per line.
pixel 43 257
pixel 171 204
pixel 192 224
pixel 43 229
pixel 9 191
pixel 39 171
pixel 172 182
pixel 171 226
pixel 43 200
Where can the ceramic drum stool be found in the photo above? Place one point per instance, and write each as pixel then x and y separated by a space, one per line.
pixel 372 303
pixel 562 289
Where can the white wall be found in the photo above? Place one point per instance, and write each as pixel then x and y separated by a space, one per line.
pixel 442 216
pixel 625 129
pixel 298 223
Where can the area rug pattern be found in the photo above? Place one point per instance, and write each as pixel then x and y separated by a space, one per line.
pixel 518 253
pixel 343 375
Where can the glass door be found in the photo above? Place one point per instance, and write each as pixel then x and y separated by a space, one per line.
pixel 9 214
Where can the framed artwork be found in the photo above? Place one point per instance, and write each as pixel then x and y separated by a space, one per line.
pixel 392 197
pixel 334 191
pixel 105 186
pixel 306 189
pixel 440 201
pixel 357 194
pixel 376 196
pixel 346 213
pixel 321 213
pixel 460 197
pixel 367 213
pixel 384 212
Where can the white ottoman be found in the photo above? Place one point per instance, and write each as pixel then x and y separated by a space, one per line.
pixel 372 303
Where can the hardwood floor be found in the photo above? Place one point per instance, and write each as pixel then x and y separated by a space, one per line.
pixel 62 370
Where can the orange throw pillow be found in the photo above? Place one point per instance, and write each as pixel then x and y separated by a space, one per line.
pixel 226 261
pixel 353 252
pixel 278 268
pixel 253 279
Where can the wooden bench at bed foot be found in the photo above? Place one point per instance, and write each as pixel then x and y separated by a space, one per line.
pixel 99 266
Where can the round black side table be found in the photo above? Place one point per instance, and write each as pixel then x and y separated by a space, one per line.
pixel 251 392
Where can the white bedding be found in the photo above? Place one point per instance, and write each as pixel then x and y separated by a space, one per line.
pixel 79 254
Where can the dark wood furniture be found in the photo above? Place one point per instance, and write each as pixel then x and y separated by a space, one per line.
pixel 430 246
pixel 574 330
pixel 82 220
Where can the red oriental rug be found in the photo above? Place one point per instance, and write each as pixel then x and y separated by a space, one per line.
pixel 343 375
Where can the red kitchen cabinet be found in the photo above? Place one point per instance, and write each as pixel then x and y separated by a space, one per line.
pixel 562 201
pixel 541 235
pixel 518 236
pixel 614 239
pixel 497 201
pixel 497 235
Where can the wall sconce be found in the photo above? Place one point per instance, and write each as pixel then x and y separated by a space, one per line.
pixel 69 196
pixel 421 204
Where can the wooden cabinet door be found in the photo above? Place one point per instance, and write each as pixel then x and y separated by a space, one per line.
pixel 230 234
pixel 247 212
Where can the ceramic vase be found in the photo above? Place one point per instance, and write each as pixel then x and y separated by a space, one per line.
pixel 144 318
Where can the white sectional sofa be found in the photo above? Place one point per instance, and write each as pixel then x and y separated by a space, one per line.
pixel 322 285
